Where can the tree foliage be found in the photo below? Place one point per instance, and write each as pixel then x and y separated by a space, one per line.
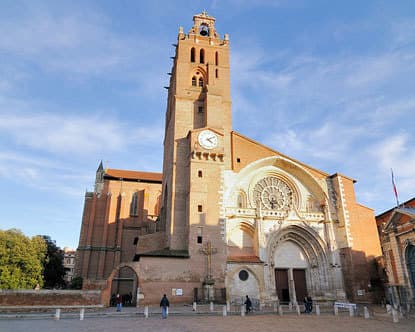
pixel 54 270
pixel 76 283
pixel 21 260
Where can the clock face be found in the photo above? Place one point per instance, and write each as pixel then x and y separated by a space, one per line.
pixel 208 139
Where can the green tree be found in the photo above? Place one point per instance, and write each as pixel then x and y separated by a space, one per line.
pixel 76 283
pixel 53 272
pixel 21 260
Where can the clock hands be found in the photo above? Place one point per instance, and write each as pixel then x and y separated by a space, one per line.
pixel 210 139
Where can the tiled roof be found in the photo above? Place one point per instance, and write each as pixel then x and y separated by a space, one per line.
pixel 133 175
pixel 244 259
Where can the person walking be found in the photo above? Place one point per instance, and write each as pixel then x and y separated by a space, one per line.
pixel 248 304
pixel 119 302
pixel 164 304
pixel 310 304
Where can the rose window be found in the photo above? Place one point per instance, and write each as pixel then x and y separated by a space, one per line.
pixel 273 194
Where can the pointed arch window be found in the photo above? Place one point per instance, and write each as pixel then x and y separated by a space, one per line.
pixel 202 56
pixel 134 205
pixel 241 200
pixel 192 55
pixel 194 81
pixel 200 82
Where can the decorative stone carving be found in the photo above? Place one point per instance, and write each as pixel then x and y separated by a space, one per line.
pixel 273 194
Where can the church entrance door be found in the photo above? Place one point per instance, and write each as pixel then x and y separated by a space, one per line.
pixel 300 284
pixel 281 285
pixel 124 283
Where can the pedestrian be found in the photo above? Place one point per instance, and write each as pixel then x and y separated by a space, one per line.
pixel 310 304
pixel 248 304
pixel 164 304
pixel 305 305
pixel 119 302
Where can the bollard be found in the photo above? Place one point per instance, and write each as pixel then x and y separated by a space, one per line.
pixel 81 314
pixel 280 310
pixel 297 307
pixel 317 309
pixel 351 311
pixel 336 311
pixel 388 309
pixel 194 306
pixel 146 311
pixel 242 310
pixel 275 307
pixel 58 314
pixel 211 306
pixel 228 306
pixel 395 317
pixel 366 312
pixel 224 311
pixel 290 306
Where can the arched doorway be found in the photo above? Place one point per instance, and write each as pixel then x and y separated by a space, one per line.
pixel 291 269
pixel 410 263
pixel 300 264
pixel 125 283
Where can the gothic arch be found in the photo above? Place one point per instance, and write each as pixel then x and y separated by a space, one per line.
pixel 313 248
pixel 109 290
pixel 198 74
pixel 241 200
pixel 231 276
pixel 279 162
pixel 245 228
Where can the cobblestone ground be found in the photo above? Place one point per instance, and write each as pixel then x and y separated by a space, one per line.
pixel 252 323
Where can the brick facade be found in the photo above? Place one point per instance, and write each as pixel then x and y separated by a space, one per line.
pixel 231 208
pixel 397 233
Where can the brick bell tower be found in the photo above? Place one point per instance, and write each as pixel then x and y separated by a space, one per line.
pixel 197 147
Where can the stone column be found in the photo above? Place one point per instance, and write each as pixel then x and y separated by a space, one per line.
pixel 291 285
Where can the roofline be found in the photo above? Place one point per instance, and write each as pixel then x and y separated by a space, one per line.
pixel 343 176
pixel 282 154
pixel 390 210
pixel 136 178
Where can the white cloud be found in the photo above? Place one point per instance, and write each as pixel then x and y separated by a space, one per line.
pixel 74 43
pixel 62 134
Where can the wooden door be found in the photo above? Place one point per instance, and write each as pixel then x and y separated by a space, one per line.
pixel 281 285
pixel 300 284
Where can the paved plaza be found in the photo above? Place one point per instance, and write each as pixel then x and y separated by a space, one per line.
pixel 130 321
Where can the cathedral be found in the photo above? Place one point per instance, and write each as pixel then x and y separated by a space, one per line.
pixel 228 217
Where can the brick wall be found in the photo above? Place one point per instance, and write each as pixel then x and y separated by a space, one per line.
pixel 49 297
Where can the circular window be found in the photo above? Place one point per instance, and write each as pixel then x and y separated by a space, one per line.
pixel 243 275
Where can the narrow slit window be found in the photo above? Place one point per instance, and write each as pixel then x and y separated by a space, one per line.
pixel 199 208
pixel 199 235
pixel 202 56
pixel 217 59
pixel 135 241
pixel 200 174
pixel 193 81
pixel 217 73
pixel 200 109
pixel 201 82
pixel 192 54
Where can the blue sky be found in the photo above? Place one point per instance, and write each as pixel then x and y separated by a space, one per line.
pixel 329 83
